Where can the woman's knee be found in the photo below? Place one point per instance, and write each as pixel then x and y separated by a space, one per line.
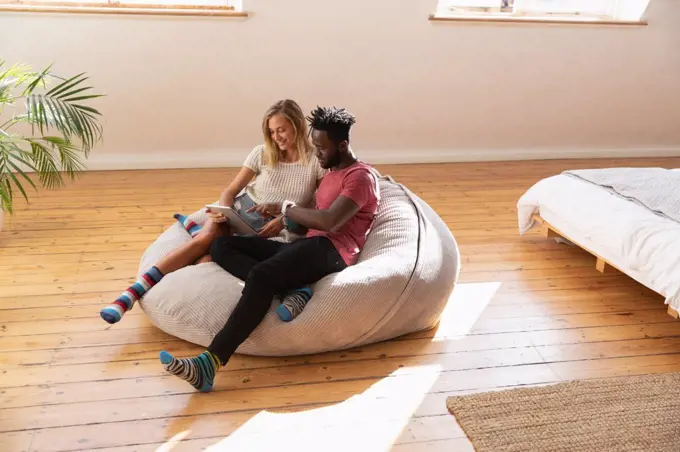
pixel 201 242
pixel 213 229
pixel 205 259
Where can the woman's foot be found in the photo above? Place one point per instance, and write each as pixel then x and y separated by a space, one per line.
pixel 113 313
pixel 294 303
pixel 198 371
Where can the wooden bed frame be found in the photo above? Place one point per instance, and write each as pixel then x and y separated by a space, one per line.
pixel 601 264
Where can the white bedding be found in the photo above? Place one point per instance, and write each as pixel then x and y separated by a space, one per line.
pixel 645 245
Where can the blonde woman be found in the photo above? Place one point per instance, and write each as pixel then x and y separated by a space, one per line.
pixel 284 168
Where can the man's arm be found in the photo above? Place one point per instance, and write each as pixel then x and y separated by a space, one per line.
pixel 358 188
pixel 327 220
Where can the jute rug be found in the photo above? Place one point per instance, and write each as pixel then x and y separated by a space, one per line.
pixel 640 413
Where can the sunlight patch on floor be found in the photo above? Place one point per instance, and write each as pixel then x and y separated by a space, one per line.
pixel 174 441
pixel 372 420
pixel 465 306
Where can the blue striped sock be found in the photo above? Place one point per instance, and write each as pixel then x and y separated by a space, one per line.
pixel 198 371
pixel 191 227
pixel 294 303
pixel 113 313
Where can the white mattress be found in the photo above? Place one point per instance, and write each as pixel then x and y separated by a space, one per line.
pixel 644 245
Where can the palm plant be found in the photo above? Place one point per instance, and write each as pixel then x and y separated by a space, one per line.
pixel 51 135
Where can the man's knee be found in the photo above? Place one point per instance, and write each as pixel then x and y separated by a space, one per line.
pixel 268 278
pixel 259 276
pixel 221 248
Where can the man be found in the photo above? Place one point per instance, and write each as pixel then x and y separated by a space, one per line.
pixel 347 201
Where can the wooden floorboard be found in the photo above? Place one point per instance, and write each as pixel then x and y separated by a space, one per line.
pixel 527 311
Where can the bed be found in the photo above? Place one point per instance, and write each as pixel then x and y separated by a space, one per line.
pixel 628 218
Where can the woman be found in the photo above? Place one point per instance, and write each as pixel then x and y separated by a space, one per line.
pixel 285 167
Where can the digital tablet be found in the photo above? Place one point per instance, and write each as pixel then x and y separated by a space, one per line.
pixel 235 220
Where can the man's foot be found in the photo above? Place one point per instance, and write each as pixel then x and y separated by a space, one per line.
pixel 294 303
pixel 113 313
pixel 191 227
pixel 198 371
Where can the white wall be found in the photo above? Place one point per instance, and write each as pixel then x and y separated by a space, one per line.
pixel 191 91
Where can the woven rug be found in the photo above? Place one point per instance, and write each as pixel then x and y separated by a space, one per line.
pixel 640 413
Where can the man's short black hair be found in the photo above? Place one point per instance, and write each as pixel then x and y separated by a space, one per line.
pixel 336 122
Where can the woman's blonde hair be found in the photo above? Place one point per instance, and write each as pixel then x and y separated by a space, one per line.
pixel 290 110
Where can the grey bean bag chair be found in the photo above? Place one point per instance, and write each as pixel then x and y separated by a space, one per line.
pixel 400 284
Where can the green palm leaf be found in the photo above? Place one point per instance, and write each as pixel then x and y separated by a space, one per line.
pixel 64 130
pixel 6 195
pixel 71 162
pixel 11 155
pixel 71 119
pixel 45 162
pixel 62 89
pixel 38 79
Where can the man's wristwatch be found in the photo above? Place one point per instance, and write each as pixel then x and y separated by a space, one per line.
pixel 285 205
pixel 284 218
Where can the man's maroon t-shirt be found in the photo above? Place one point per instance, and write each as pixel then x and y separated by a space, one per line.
pixel 358 183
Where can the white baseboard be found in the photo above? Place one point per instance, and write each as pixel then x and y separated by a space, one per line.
pixel 221 158
pixel 166 160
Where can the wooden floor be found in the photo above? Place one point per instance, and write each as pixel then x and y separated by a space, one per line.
pixel 527 311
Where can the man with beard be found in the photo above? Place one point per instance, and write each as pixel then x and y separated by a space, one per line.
pixel 346 203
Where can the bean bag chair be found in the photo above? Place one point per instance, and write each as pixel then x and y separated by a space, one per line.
pixel 400 284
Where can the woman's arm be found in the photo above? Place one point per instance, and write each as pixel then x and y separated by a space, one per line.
pixel 239 183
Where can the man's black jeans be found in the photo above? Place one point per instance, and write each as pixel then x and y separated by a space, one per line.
pixel 268 268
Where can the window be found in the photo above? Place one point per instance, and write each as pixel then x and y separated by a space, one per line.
pixel 163 7
pixel 544 10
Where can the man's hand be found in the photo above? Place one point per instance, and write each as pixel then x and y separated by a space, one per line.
pixel 267 210
pixel 271 229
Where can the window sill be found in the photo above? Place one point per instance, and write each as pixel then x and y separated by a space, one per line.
pixel 535 20
pixel 206 11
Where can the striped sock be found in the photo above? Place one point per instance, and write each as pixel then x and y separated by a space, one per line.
pixel 198 371
pixel 191 227
pixel 114 312
pixel 294 303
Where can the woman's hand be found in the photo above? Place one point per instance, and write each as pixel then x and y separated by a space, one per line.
pixel 267 210
pixel 216 217
pixel 271 229
pixel 226 200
